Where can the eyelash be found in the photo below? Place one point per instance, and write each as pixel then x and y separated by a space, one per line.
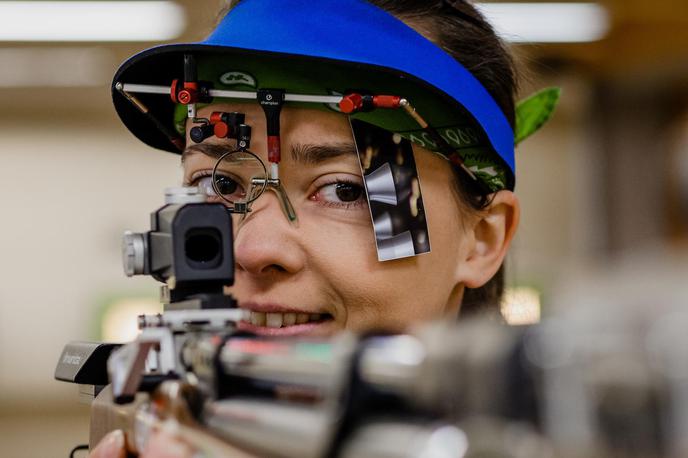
pixel 198 176
pixel 340 205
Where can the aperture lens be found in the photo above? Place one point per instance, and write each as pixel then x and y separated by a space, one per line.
pixel 239 178
pixel 226 185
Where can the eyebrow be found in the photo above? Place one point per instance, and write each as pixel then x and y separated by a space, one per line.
pixel 306 154
pixel 310 154
pixel 209 149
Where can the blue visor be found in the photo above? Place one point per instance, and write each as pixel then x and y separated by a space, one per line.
pixel 331 47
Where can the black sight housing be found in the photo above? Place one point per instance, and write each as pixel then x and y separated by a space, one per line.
pixel 189 247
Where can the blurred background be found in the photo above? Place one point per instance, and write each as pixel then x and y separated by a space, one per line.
pixel 604 188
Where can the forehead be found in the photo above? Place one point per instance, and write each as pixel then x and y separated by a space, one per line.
pixel 308 135
pixel 307 121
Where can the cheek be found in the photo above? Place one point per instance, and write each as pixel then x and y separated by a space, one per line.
pixel 377 295
pixel 341 253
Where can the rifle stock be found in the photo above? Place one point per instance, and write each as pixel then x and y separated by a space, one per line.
pixel 137 419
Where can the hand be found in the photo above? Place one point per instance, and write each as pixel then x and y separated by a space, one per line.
pixel 160 445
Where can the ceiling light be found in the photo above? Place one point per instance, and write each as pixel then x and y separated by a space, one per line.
pixel 547 22
pixel 70 21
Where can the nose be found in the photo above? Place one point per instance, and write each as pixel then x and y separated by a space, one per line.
pixel 266 243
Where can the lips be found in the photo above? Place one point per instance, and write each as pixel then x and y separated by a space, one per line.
pixel 271 319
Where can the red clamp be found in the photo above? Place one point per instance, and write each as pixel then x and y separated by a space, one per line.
pixel 221 127
pixel 185 93
pixel 220 124
pixel 188 92
pixel 387 101
pixel 353 103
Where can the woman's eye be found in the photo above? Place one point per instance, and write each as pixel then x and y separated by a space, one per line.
pixel 340 193
pixel 226 185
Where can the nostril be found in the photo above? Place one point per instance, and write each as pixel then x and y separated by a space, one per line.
pixel 274 268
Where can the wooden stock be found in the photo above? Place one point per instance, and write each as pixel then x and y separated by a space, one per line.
pixel 107 416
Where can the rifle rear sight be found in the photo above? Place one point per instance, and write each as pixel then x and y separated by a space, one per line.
pixel 189 248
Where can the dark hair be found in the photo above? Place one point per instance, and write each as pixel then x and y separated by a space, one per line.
pixel 458 28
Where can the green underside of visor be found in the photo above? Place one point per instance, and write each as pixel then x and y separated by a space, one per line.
pixel 453 123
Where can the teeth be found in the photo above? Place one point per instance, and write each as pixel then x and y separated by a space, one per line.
pixel 274 320
pixel 258 318
pixel 277 320
pixel 289 319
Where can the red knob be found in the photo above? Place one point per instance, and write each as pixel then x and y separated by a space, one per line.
pixel 216 116
pixel 186 96
pixel 351 103
pixel 221 129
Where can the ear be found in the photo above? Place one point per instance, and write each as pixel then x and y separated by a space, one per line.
pixel 488 240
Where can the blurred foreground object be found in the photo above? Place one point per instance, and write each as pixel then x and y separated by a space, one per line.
pixel 606 377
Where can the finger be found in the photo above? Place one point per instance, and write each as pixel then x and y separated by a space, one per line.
pixel 111 446
pixel 163 445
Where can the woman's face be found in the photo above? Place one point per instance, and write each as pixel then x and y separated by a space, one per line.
pixel 325 268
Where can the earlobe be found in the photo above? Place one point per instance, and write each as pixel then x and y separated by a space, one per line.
pixel 489 240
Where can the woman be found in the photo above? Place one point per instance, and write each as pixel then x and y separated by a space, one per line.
pixel 321 273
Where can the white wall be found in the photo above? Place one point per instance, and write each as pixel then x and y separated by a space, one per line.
pixel 72 182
